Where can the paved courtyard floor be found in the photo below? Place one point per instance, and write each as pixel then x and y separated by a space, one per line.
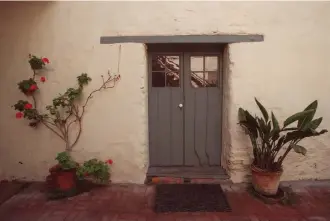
pixel 134 202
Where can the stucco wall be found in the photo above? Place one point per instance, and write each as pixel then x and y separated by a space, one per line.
pixel 286 72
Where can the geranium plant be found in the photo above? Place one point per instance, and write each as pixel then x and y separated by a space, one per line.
pixel 95 169
pixel 64 118
pixel 66 111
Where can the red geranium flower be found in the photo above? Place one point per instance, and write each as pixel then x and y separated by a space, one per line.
pixel 33 87
pixel 19 115
pixel 109 161
pixel 45 60
pixel 42 79
pixel 28 106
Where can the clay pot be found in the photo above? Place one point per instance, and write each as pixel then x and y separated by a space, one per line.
pixel 66 179
pixel 63 180
pixel 265 182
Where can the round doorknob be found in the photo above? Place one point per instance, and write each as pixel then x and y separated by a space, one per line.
pixel 180 105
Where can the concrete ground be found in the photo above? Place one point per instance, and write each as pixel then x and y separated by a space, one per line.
pixel 129 202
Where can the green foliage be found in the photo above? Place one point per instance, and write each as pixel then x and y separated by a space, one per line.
pixel 25 85
pixel 262 109
pixel 83 79
pixel 66 101
pixel 65 161
pixel 36 63
pixel 30 114
pixel 96 169
pixel 64 111
pixel 268 138
pixel 305 120
pixel 298 117
pixel 20 105
pixel 299 149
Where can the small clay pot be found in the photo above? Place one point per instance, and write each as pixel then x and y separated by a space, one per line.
pixel 62 179
pixel 265 182
pixel 66 179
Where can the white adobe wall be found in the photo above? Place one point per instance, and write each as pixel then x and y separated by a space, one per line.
pixel 286 72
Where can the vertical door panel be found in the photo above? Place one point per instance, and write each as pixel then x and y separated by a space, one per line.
pixel 213 130
pixel 153 126
pixel 165 118
pixel 177 146
pixel 164 126
pixel 202 114
pixel 189 128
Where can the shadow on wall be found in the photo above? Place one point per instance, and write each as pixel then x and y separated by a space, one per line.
pixel 227 160
pixel 15 9
pixel 226 137
pixel 21 16
pixel 20 23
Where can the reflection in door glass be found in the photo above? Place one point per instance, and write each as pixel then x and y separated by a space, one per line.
pixel 158 79
pixel 211 78
pixel 211 63
pixel 204 71
pixel 172 79
pixel 196 63
pixel 168 64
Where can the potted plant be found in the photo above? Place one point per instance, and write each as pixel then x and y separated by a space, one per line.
pixel 62 181
pixel 95 170
pixel 272 142
pixel 62 176
pixel 63 118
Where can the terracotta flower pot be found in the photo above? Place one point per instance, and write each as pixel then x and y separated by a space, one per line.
pixel 265 182
pixel 66 179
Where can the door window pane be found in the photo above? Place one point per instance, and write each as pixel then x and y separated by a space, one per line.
pixel 169 67
pixel 158 79
pixel 207 76
pixel 196 63
pixel 197 79
pixel 172 79
pixel 211 78
pixel 211 63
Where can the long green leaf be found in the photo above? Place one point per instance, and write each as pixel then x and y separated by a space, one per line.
pixel 299 149
pixel 275 132
pixel 308 118
pixel 275 122
pixel 296 117
pixel 262 109
pixel 251 123
pixel 241 115
pixel 313 124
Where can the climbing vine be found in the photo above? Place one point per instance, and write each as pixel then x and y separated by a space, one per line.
pixel 66 112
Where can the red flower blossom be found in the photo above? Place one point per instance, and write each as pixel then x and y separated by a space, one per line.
pixel 19 115
pixel 45 60
pixel 33 87
pixel 28 106
pixel 42 79
pixel 86 174
pixel 109 161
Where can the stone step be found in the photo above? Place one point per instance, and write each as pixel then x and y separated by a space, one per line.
pixel 175 180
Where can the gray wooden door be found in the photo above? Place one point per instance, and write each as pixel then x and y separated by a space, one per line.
pixel 184 109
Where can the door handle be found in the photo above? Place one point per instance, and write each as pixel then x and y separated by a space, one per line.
pixel 180 106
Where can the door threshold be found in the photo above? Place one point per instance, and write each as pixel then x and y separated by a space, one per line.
pixel 212 172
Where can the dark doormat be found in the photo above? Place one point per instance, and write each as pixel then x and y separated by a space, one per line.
pixel 190 198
